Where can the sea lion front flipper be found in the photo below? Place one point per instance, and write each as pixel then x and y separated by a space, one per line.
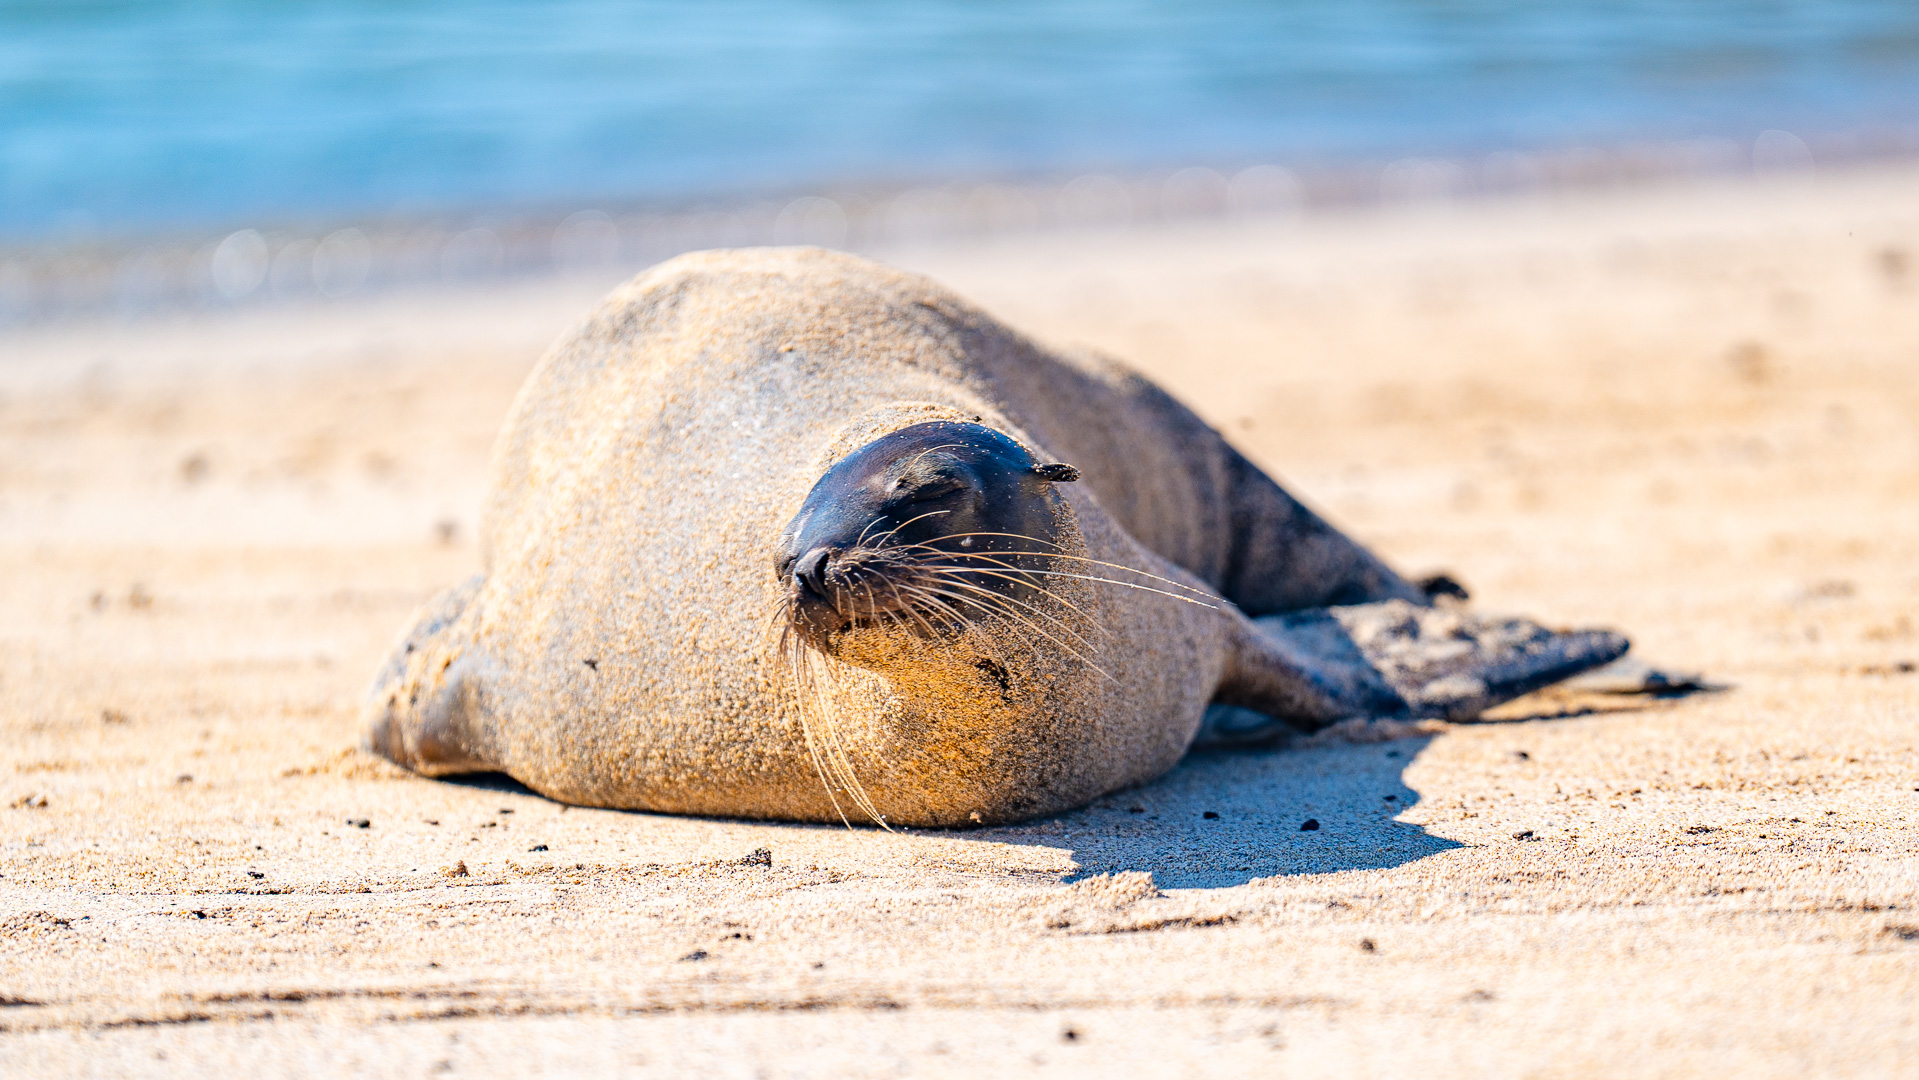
pixel 422 710
pixel 1452 665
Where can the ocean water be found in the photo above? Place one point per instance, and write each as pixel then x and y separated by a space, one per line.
pixel 123 117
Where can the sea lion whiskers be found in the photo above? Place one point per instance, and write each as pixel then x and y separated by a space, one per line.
pixel 938 608
pixel 779 618
pixel 957 624
pixel 930 606
pixel 950 620
pixel 950 577
pixel 1017 575
pixel 1121 584
pixel 949 573
pixel 1075 558
pixel 1084 577
pixel 898 566
pixel 858 569
pixel 853 575
pixel 1015 616
pixel 881 538
pixel 824 743
pixel 794 666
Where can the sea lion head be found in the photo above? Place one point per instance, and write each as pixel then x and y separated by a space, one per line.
pixel 924 529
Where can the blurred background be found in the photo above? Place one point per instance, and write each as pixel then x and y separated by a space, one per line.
pixel 217 152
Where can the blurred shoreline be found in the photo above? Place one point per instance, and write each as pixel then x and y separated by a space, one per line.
pixel 133 276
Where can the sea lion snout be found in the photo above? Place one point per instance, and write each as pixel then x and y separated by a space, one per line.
pixel 925 528
pixel 809 574
pixel 819 597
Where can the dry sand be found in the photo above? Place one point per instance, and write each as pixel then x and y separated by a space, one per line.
pixel 1689 413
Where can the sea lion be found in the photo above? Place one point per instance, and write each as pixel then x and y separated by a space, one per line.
pixel 783 533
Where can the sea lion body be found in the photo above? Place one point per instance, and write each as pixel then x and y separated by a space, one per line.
pixel 622 646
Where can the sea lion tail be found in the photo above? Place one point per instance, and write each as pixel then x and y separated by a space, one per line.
pixel 423 709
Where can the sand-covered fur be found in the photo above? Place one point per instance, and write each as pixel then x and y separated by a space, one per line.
pixel 623 646
pixel 619 653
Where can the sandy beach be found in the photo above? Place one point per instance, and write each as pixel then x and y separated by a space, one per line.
pixel 1689 412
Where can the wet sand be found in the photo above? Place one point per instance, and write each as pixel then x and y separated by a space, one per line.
pixel 1689 413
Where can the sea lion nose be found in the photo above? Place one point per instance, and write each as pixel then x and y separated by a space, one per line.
pixel 810 571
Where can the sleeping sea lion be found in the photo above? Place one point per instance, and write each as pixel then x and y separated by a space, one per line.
pixel 784 533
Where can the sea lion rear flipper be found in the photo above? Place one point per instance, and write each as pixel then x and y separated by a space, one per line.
pixel 1452 665
pixel 1391 659
pixel 1303 671
pixel 423 705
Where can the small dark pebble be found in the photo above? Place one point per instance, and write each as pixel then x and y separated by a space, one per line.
pixel 1392 798
pixel 183 778
pixel 255 875
pixel 537 847
pixel 1366 945
pixel 1695 830
pixel 1522 755
pixel 1524 834
pixel 758 857
pixel 1210 816
pixel 504 810
pixel 1392 753
pixel 1311 824
pixel 696 954
pixel 359 823
pixel 594 664
pixel 1069 1035
pixel 199 914
pixel 1902 932
pixel 1142 809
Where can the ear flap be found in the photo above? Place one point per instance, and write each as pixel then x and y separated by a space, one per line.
pixel 1056 473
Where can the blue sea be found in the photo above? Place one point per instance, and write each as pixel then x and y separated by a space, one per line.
pixel 136 117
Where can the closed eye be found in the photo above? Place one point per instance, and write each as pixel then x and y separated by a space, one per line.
pixel 932 489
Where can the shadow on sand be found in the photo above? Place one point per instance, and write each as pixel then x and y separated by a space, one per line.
pixel 1223 818
pixel 1261 799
